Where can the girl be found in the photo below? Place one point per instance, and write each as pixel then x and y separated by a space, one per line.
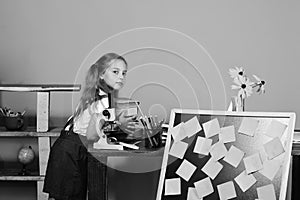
pixel 66 174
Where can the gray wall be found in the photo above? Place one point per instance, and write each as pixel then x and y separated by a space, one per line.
pixel 188 57
pixel 183 62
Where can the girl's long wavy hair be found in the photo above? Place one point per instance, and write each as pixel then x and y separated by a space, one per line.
pixel 93 82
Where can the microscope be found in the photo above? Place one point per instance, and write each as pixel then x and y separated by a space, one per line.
pixel 109 127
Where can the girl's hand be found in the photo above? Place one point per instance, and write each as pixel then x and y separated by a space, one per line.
pixel 141 132
pixel 127 123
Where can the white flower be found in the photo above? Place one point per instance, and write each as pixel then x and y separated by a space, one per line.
pixel 237 72
pixel 260 84
pixel 244 85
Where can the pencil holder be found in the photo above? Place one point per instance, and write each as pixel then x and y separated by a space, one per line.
pixel 14 123
pixel 154 140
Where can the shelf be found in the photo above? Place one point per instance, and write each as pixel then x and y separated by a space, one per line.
pixel 12 175
pixel 22 178
pixel 42 130
pixel 38 87
pixel 43 98
pixel 30 132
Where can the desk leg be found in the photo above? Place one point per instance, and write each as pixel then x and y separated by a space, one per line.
pixel 97 179
pixel 296 175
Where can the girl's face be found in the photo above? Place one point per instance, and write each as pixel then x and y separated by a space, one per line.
pixel 115 74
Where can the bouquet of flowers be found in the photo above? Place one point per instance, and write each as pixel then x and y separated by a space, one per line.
pixel 244 85
pixel 7 112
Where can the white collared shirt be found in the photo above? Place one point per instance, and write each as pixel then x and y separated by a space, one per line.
pixel 81 122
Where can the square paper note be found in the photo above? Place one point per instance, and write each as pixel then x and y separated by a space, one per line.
pixel 192 194
pixel 178 149
pixel 270 168
pixel 245 181
pixel 192 126
pixel 202 145
pixel 212 168
pixel 274 148
pixel 178 132
pixel 253 163
pixel 204 187
pixel 172 186
pixel 266 192
pixel 211 128
pixel 186 170
pixel 234 156
pixel 226 190
pixel 248 126
pixel 275 129
pixel 227 134
pixel 218 150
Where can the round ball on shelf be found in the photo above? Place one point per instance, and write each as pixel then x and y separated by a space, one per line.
pixel 26 155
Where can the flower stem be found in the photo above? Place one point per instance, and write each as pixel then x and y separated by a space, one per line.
pixel 255 84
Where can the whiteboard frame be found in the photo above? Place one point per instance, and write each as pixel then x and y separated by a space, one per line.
pixel 290 131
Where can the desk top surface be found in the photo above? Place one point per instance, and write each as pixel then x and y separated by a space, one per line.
pixel 127 153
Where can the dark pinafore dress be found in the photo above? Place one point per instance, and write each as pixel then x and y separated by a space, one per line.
pixel 66 174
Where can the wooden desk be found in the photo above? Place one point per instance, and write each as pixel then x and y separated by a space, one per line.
pixel 97 168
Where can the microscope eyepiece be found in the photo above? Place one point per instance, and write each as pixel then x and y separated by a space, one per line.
pixel 106 113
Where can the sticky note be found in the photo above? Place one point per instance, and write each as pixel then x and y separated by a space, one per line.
pixel 245 181
pixel 234 156
pixel 275 129
pixel 192 194
pixel 212 168
pixel 270 168
pixel 226 190
pixel 204 187
pixel 178 149
pixel 262 154
pixel 211 128
pixel 174 131
pixel 192 126
pixel 218 150
pixel 273 148
pixel 227 134
pixel 266 192
pixel 248 126
pixel 172 186
pixel 253 163
pixel 202 145
pixel 262 126
pixel 178 132
pixel 186 170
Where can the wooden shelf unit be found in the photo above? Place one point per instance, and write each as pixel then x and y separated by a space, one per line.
pixel 41 131
pixel 22 178
pixel 30 132
pixel 12 175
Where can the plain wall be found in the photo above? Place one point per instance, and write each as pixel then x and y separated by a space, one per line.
pixel 179 52
pixel 188 56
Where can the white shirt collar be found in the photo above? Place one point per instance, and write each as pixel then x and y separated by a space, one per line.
pixel 101 92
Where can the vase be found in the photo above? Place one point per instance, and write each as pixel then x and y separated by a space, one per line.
pixel 237 104
pixel 242 104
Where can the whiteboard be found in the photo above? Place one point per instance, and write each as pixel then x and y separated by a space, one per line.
pixel 250 145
